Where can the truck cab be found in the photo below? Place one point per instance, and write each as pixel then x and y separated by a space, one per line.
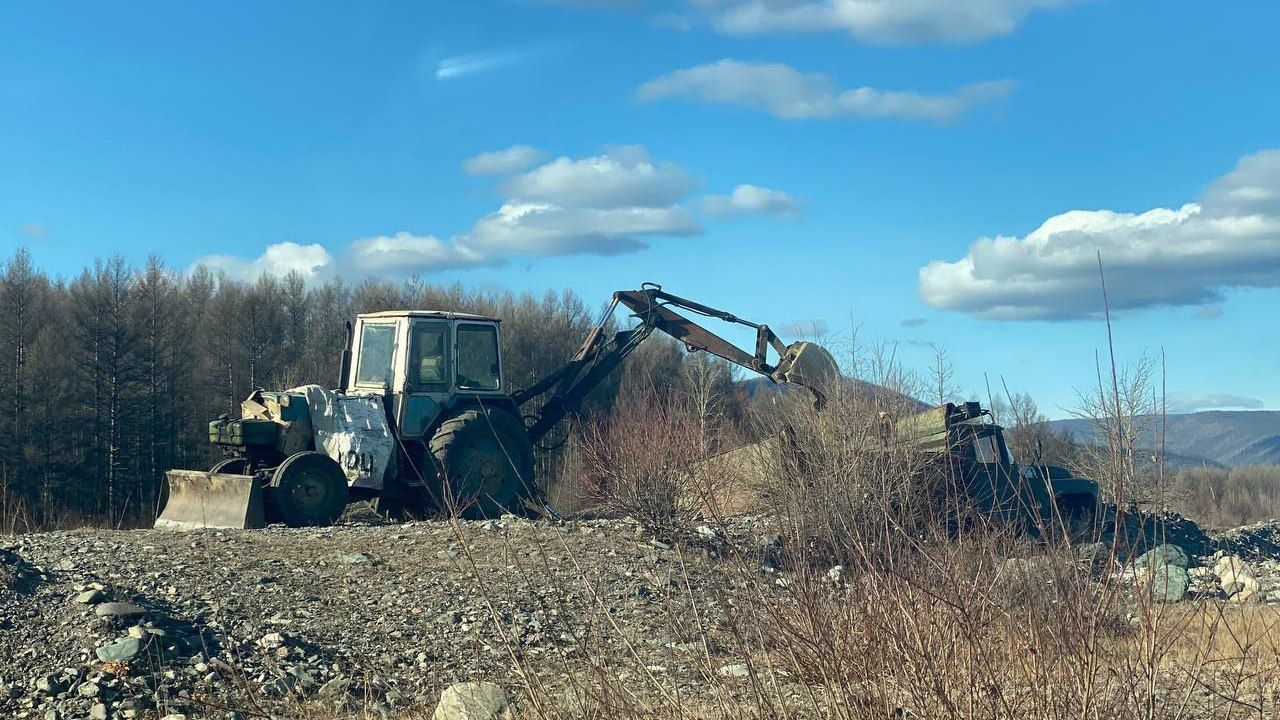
pixel 1000 486
pixel 426 363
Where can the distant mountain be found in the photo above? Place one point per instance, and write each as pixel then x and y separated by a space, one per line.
pixel 1217 437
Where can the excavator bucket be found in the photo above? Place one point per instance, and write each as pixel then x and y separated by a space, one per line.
pixel 810 365
pixel 200 499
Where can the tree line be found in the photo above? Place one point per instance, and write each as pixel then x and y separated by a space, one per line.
pixel 110 378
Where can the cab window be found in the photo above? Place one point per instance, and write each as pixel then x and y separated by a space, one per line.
pixel 478 357
pixel 377 347
pixel 987 449
pixel 428 358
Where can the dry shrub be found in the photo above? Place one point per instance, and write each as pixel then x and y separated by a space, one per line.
pixel 1225 497
pixel 636 462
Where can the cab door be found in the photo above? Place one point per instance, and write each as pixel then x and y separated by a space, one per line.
pixel 990 477
pixel 428 375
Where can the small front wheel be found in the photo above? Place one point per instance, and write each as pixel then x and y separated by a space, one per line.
pixel 308 489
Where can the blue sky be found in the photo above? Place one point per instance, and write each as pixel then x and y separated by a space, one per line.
pixel 790 160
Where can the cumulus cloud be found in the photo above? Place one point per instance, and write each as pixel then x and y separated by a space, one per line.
pixel 405 252
pixel 546 229
pixel 606 204
pixel 278 259
pixel 1193 401
pixel 876 21
pixel 505 161
pixel 751 200
pixel 622 177
pixel 1188 255
pixel 914 322
pixel 785 92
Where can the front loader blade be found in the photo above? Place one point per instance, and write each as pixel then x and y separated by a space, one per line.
pixel 199 499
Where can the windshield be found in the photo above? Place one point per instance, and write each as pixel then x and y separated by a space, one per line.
pixel 428 361
pixel 377 345
pixel 478 357
pixel 988 449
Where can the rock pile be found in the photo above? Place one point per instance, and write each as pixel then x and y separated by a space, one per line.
pixel 1172 576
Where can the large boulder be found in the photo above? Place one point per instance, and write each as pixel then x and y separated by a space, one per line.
pixel 1165 554
pixel 1168 582
pixel 474 701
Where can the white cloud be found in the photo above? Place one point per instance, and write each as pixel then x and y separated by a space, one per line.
pixel 1192 401
pixel 606 204
pixel 405 252
pixel 278 259
pixel 751 200
pixel 545 229
pixel 785 92
pixel 505 161
pixel 876 21
pixel 1182 256
pixel 621 177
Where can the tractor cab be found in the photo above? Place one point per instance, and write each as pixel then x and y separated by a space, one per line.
pixel 423 362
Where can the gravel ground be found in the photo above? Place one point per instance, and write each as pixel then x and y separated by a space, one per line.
pixel 382 616
pixel 142 623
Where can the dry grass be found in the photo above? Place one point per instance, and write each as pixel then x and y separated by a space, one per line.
pixel 926 617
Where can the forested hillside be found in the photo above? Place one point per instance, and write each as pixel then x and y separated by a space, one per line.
pixel 1230 438
pixel 110 378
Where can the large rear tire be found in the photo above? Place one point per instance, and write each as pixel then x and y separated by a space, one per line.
pixel 485 461
pixel 308 489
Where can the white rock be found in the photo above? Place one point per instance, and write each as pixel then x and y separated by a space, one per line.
pixel 473 701
pixel 1235 577
pixel 836 574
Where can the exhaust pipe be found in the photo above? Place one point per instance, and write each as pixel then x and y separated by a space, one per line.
pixel 344 365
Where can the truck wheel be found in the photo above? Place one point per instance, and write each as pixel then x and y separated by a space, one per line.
pixel 308 489
pixel 486 462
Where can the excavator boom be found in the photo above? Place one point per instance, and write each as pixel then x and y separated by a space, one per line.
pixel 802 363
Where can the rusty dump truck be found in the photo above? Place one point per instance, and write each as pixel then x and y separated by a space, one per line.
pixel 960 443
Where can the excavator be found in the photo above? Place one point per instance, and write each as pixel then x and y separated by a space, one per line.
pixel 421 412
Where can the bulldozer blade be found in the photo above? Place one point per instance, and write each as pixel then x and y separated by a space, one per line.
pixel 199 499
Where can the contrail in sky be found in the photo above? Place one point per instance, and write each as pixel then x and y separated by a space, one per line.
pixel 460 65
